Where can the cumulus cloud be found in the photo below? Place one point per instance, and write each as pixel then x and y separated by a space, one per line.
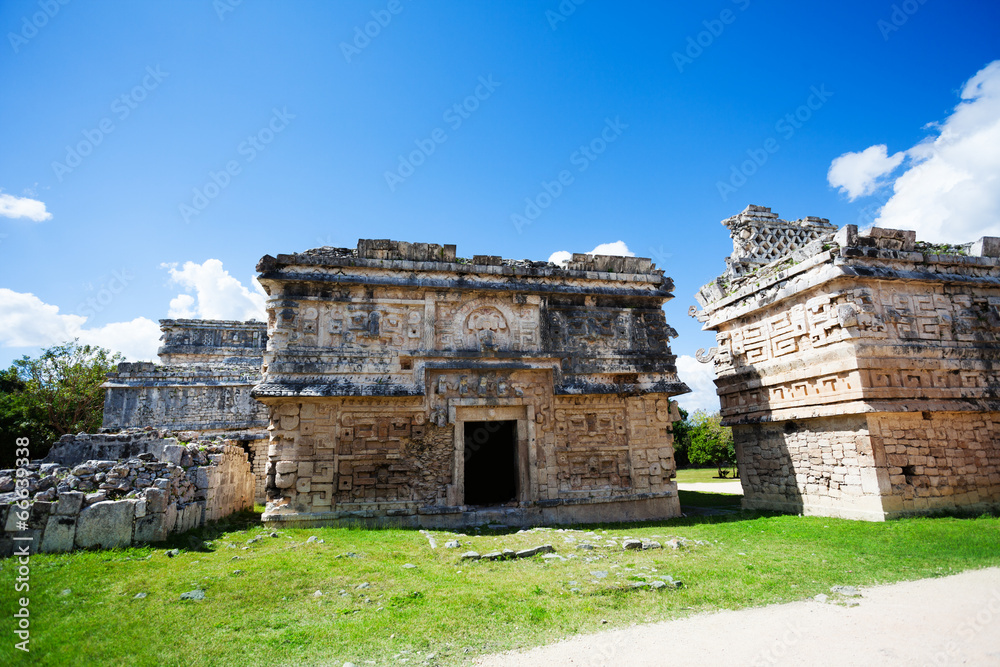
pixel 701 380
pixel 217 295
pixel 23 207
pixel 950 189
pixel 182 307
pixel 30 322
pixel 560 256
pixel 138 340
pixel 616 248
pixel 858 174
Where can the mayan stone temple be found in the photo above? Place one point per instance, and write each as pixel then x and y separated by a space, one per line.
pixel 409 386
pixel 860 371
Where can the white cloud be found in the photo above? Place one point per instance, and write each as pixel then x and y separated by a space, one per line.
pixel 858 174
pixel 701 380
pixel 616 248
pixel 23 207
pixel 950 191
pixel 560 257
pixel 30 322
pixel 218 296
pixel 181 307
pixel 138 340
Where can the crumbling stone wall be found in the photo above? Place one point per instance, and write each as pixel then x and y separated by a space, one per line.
pixel 852 357
pixel 379 356
pixel 202 386
pixel 170 488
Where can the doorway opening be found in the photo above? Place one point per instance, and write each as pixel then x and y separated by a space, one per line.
pixel 490 462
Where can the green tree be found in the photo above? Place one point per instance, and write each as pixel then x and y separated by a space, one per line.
pixel 710 441
pixel 56 393
pixel 682 439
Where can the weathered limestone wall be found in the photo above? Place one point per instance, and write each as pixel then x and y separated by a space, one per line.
pixel 378 358
pixel 203 383
pixel 870 466
pixel 940 460
pixel 115 503
pixel 257 451
pixel 837 358
pixel 815 466
pixel 207 399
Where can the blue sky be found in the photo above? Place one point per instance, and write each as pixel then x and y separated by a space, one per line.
pixel 159 136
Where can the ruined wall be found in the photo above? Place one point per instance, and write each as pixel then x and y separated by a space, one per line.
pixel 202 386
pixel 867 325
pixel 170 488
pixel 378 357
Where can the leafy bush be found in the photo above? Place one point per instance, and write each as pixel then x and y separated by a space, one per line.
pixel 57 393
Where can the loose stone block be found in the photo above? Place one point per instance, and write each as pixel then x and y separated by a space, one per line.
pixel 151 528
pixel 156 500
pixel 107 524
pixel 174 454
pixel 59 535
pixel 69 503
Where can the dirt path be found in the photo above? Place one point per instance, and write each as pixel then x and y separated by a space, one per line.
pixel 947 621
pixel 712 487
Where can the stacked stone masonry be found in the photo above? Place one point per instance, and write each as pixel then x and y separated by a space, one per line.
pixel 160 487
pixel 392 367
pixel 858 370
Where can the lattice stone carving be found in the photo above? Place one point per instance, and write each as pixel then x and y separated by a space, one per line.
pixel 761 237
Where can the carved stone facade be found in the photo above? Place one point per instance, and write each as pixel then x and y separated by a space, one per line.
pixel 201 388
pixel 859 371
pixel 407 385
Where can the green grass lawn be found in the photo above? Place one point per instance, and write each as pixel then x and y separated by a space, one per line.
pixel 691 475
pixel 261 607
pixel 726 501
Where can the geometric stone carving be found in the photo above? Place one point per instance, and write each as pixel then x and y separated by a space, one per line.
pixel 845 360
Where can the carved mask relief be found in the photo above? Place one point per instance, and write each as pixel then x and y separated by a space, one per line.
pixel 486 329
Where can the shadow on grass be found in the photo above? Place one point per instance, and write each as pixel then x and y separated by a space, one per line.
pixel 707 500
pixel 196 539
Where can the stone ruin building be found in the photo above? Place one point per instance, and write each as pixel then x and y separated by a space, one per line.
pixel 409 386
pixel 200 389
pixel 860 371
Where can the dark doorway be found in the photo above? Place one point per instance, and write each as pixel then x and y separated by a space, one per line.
pixel 490 462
